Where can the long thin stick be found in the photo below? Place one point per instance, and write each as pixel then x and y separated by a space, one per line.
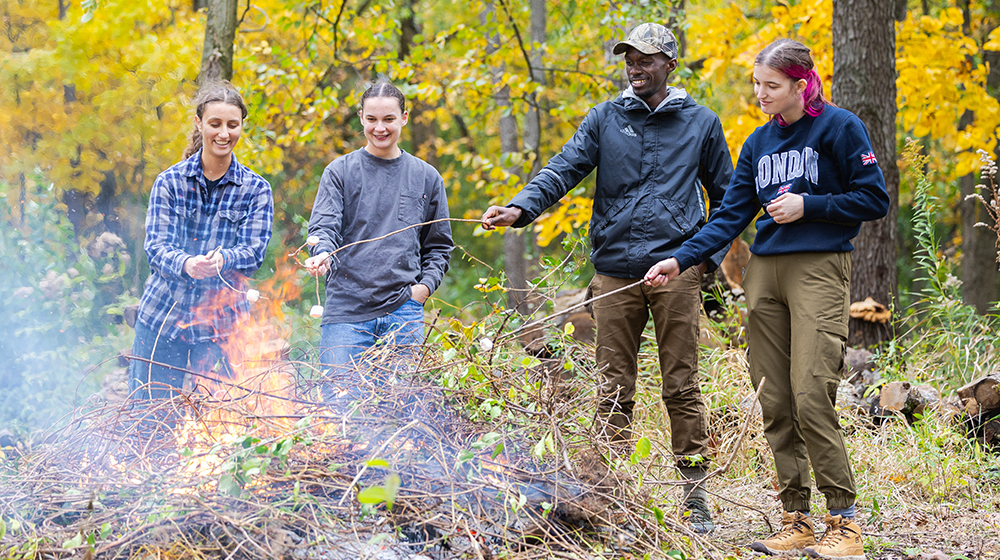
pixel 569 309
pixel 391 233
pixel 743 432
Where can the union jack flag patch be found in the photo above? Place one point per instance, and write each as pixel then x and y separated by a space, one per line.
pixel 868 159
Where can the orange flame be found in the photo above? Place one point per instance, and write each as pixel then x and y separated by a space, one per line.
pixel 263 379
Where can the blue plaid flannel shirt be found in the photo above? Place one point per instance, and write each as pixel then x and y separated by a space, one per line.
pixel 186 219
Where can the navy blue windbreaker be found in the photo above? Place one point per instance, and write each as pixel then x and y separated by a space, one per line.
pixel 652 167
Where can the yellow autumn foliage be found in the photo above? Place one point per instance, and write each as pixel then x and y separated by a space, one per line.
pixel 85 101
pixel 940 74
pixel 88 104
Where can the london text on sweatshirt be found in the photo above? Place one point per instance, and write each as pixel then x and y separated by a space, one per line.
pixel 828 159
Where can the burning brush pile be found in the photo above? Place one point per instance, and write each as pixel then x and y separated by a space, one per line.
pixel 478 453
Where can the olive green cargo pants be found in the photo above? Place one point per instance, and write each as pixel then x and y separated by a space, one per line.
pixel 797 307
pixel 620 319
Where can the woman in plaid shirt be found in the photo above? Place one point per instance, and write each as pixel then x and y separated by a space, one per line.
pixel 208 225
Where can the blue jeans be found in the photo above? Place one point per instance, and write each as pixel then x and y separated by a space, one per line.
pixel 343 348
pixel 177 356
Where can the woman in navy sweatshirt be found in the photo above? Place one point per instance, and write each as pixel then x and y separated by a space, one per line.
pixel 812 170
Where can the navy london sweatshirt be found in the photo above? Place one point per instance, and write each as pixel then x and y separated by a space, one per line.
pixel 828 159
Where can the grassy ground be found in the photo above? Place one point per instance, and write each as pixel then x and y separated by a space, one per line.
pixel 922 489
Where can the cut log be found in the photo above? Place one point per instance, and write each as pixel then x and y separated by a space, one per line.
pixel 924 398
pixel 991 434
pixel 893 395
pixel 859 360
pixel 905 398
pixel 951 409
pixel 982 396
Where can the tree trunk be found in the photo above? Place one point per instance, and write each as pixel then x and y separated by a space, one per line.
pixel 864 82
pixel 422 132
pixel 979 264
pixel 220 32
pixel 675 25
pixel 515 263
pixel 514 247
pixel 980 281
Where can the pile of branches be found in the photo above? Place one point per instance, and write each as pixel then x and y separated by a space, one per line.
pixel 396 470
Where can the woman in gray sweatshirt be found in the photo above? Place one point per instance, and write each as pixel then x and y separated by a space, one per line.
pixel 375 291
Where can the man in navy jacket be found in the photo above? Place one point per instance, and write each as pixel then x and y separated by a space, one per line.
pixel 657 153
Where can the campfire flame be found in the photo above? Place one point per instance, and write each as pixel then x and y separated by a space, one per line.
pixel 260 395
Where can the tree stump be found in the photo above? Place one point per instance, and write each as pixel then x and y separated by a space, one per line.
pixel 981 406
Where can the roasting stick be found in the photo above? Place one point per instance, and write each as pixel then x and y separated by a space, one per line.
pixel 570 309
pixel 466 220
pixel 317 310
pixel 329 255
pixel 401 230
pixel 251 294
pixel 739 442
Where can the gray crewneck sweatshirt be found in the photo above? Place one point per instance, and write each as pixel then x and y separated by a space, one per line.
pixel 360 197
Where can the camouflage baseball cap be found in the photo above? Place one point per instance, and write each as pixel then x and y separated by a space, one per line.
pixel 649 38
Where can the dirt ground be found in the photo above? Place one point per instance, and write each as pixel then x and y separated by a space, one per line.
pixel 921 532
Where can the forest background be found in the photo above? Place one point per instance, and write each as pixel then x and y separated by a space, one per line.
pixel 95 102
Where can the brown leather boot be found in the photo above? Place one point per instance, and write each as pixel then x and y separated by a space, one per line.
pixel 842 540
pixel 795 535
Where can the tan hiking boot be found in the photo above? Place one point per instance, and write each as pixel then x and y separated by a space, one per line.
pixel 842 540
pixel 795 535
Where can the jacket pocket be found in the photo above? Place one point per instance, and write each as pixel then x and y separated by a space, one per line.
pixel 225 225
pixel 831 342
pixel 669 221
pixel 185 219
pixel 411 207
pixel 598 227
pixel 689 213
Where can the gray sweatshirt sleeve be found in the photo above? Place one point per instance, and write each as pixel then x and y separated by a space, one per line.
pixel 328 212
pixel 435 239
